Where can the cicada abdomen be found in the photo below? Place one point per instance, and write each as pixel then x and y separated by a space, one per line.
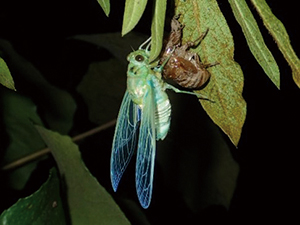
pixel 183 67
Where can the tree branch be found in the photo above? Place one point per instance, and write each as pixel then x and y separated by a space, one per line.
pixel 36 155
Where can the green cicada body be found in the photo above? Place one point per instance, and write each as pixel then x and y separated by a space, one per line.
pixel 147 90
pixel 145 106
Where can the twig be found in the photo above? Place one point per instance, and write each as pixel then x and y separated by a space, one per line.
pixel 45 151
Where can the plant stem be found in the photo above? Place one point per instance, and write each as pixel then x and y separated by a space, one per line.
pixel 36 155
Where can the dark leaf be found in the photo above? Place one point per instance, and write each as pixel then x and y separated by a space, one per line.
pixel 88 201
pixel 42 207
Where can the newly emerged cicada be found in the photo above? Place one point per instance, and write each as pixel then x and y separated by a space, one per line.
pixel 145 107
pixel 183 67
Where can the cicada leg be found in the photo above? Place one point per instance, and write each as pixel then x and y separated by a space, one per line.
pixel 161 66
pixel 147 42
pixel 176 90
pixel 207 65
pixel 197 41
pixel 194 44
pixel 196 58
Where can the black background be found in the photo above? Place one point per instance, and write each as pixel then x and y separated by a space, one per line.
pixel 267 154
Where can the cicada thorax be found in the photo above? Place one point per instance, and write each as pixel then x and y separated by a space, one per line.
pixel 143 80
pixel 183 66
pixel 137 75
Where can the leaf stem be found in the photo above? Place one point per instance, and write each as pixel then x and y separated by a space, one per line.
pixel 36 155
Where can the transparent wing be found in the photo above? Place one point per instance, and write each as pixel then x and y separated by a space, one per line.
pixel 125 139
pixel 146 151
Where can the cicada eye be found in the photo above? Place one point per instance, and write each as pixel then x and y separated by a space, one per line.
pixel 139 58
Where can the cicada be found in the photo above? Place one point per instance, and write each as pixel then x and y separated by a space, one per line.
pixel 145 107
pixel 184 67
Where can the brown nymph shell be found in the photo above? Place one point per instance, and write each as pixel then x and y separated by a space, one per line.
pixel 183 66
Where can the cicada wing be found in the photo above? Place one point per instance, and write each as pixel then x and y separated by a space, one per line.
pixel 125 139
pixel 146 151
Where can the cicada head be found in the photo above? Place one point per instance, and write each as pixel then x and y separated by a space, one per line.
pixel 141 56
pixel 138 58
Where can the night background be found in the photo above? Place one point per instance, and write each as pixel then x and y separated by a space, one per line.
pixel 200 177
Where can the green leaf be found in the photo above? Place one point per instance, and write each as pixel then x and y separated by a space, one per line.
pixel 105 5
pixel 19 115
pixel 157 28
pixel 278 32
pixel 58 108
pixel 93 87
pixel 134 10
pixel 56 105
pixel 226 107
pixel 42 207
pixel 255 40
pixel 97 94
pixel 5 76
pixel 118 46
pixel 88 202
